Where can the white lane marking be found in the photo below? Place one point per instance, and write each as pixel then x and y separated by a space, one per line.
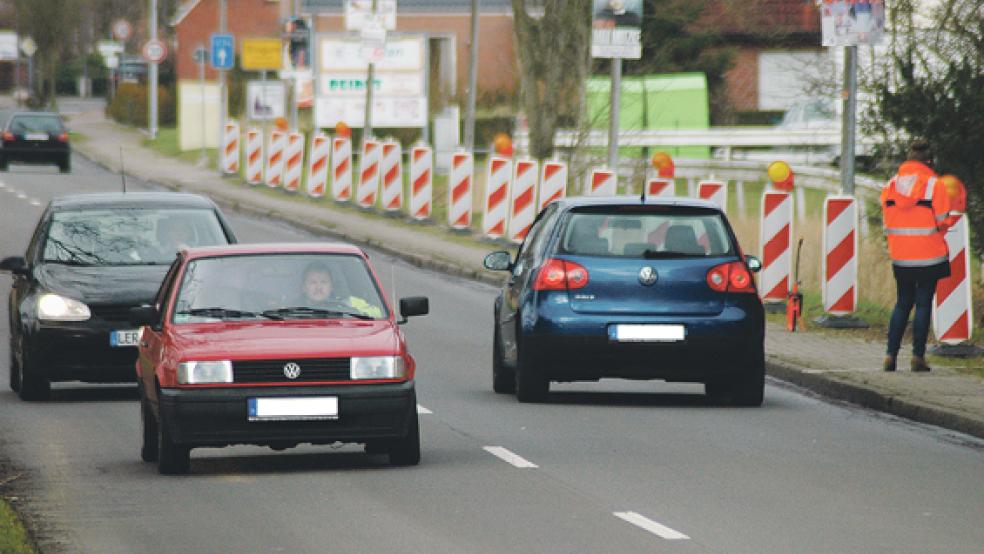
pixel 644 522
pixel 508 457
pixel 423 410
pixel 21 196
pixel 35 202
pixel 3 185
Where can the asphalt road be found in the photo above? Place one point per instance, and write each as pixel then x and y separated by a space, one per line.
pixel 604 467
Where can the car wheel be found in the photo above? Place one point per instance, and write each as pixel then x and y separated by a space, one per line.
pixel 172 458
pixel 32 385
pixel 14 371
pixel 406 450
pixel 148 446
pixel 530 385
pixel 503 378
pixel 3 163
pixel 748 389
pixel 65 165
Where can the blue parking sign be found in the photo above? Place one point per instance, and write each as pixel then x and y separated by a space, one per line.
pixel 222 51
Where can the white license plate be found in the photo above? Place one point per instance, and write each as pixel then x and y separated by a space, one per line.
pixel 129 337
pixel 648 333
pixel 305 408
pixel 36 136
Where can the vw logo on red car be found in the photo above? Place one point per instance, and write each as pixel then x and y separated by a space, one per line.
pixel 292 370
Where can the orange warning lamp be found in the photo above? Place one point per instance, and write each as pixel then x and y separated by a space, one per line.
pixel 343 130
pixel 503 145
pixel 781 176
pixel 957 192
pixel 663 164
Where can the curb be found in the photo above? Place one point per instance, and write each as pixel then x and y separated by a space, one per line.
pixel 873 399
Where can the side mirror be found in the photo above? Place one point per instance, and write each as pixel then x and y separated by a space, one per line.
pixel 412 306
pixel 14 264
pixel 753 263
pixel 499 261
pixel 144 315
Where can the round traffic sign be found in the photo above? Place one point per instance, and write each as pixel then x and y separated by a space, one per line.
pixel 200 55
pixel 154 51
pixel 28 46
pixel 122 29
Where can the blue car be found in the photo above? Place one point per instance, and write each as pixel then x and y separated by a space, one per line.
pixel 621 287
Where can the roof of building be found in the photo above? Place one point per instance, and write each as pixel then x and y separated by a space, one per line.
pixel 415 6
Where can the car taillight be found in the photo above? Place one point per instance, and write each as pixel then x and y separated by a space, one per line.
pixel 561 275
pixel 8 136
pixel 730 277
pixel 63 137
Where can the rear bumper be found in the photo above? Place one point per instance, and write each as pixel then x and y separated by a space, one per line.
pixel 35 155
pixel 218 416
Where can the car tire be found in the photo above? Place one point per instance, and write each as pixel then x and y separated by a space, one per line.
pixel 32 385
pixel 748 390
pixel 3 164
pixel 172 458
pixel 14 371
pixel 406 450
pixel 65 166
pixel 148 446
pixel 530 385
pixel 503 378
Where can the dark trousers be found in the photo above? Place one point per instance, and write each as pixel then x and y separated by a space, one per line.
pixel 911 291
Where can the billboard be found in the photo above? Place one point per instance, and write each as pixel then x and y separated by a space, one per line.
pixel 616 29
pixel 852 22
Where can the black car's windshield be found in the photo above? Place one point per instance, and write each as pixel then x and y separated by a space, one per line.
pixel 278 287
pixel 646 232
pixel 128 236
pixel 36 123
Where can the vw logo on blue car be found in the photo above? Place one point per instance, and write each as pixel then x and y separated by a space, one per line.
pixel 292 370
pixel 647 276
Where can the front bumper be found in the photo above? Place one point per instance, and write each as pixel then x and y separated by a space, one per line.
pixel 218 416
pixel 81 352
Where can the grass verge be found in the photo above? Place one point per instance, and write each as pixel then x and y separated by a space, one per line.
pixel 13 536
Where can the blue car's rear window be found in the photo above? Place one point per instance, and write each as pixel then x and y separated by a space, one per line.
pixel 646 233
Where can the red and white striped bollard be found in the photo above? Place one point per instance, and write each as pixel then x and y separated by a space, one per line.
pixel 391 169
pixel 497 197
pixel 421 181
pixel 368 188
pixel 775 236
pixel 460 190
pixel 341 169
pixel 317 181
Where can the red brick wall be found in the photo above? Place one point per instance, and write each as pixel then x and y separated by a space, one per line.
pixel 742 80
pixel 247 19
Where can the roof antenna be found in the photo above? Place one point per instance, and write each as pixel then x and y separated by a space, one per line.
pixel 122 170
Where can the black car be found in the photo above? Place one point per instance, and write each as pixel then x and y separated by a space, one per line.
pixel 35 138
pixel 624 288
pixel 93 257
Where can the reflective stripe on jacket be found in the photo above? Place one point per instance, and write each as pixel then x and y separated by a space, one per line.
pixel 916 213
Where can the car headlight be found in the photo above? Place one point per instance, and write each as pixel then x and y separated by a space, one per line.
pixel 197 373
pixel 378 367
pixel 52 307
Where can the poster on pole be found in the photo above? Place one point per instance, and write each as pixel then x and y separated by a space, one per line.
pixel 265 100
pixel 616 29
pixel 8 46
pixel 358 13
pixel 852 22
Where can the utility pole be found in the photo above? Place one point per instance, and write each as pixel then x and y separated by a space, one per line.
pixel 469 142
pixel 370 78
pixel 613 114
pixel 152 75
pixel 293 79
pixel 848 119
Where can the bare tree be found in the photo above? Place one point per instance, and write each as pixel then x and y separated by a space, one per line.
pixel 51 23
pixel 553 39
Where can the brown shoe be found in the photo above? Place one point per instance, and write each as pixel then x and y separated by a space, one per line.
pixel 919 364
pixel 889 363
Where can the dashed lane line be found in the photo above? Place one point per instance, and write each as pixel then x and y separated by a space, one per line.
pixel 509 457
pixel 653 527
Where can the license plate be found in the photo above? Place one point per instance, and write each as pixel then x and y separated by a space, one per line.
pixel 647 333
pixel 129 337
pixel 307 408
pixel 36 136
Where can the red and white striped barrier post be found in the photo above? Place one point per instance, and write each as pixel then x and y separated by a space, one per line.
pixel 660 187
pixel 497 197
pixel 460 190
pixel 714 191
pixel 553 183
pixel 368 187
pixel 602 182
pixel 953 306
pixel 522 204
pixel 341 169
pixel 839 261
pixel 775 236
pixel 421 181
pixel 254 156
pixel 391 169
pixel 275 158
pixel 293 161
pixel 317 181
pixel 230 148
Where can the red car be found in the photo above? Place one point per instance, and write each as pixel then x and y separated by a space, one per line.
pixel 274 345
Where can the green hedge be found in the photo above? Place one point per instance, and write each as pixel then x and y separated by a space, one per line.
pixel 129 105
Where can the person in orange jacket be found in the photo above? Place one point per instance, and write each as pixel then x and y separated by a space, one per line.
pixel 916 212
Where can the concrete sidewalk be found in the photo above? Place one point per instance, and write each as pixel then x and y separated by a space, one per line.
pixel 840 367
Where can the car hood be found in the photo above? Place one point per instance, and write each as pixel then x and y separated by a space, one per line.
pixel 103 285
pixel 286 339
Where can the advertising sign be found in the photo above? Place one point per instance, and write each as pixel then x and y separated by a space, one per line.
pixel 341 53
pixel 386 111
pixel 852 22
pixel 358 14
pixel 8 46
pixel 616 29
pixel 389 84
pixel 262 54
pixel 265 100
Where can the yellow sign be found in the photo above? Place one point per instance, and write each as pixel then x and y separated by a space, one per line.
pixel 262 54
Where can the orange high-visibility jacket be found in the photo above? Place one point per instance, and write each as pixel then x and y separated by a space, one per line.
pixel 916 212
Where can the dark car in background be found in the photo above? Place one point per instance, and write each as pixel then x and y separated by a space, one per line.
pixel 93 257
pixel 624 288
pixel 35 138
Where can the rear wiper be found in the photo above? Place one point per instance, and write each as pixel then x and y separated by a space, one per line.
pixel 655 254
pixel 225 313
pixel 315 312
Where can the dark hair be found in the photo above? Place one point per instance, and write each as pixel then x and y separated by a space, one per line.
pixel 320 267
pixel 921 151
